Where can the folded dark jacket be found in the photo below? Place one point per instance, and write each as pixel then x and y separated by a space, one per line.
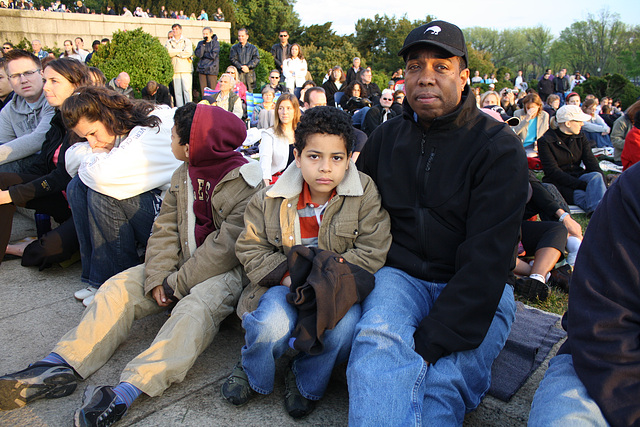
pixel 323 288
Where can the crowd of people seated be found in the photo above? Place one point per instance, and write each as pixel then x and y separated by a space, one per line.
pixel 165 212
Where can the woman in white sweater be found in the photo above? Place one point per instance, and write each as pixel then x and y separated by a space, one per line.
pixel 126 166
pixel 276 146
pixel 294 69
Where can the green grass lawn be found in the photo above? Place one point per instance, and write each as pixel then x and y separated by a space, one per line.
pixel 557 301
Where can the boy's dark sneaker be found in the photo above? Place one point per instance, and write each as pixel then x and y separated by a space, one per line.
pixel 531 289
pixel 236 388
pixel 561 276
pixel 99 408
pixel 40 380
pixel 295 403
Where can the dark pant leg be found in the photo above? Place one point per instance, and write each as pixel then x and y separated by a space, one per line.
pixel 56 246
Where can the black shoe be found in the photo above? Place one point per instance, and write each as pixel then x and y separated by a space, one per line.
pixel 532 289
pixel 561 276
pixel 40 380
pixel 236 388
pixel 99 408
pixel 295 403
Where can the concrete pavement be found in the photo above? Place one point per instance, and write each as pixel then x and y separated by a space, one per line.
pixel 37 308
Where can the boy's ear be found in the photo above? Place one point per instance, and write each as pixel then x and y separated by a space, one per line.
pixel 186 150
pixel 296 155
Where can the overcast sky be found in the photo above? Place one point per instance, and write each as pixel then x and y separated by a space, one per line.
pixel 465 13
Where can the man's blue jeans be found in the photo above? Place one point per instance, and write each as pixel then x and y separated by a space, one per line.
pixel 269 328
pixel 590 198
pixel 562 399
pixel 390 384
pixel 109 229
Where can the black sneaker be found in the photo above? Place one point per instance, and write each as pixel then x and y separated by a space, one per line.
pixel 40 380
pixel 99 408
pixel 560 277
pixel 236 388
pixel 295 403
pixel 532 289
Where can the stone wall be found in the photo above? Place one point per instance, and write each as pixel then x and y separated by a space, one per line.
pixel 53 28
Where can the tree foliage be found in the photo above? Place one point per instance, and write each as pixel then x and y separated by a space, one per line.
pixel 264 19
pixel 594 44
pixel 137 53
pixel 380 39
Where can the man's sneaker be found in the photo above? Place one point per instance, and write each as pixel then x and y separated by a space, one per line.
pixel 295 403
pixel 99 408
pixel 532 289
pixel 82 294
pixel 561 276
pixel 236 388
pixel 40 380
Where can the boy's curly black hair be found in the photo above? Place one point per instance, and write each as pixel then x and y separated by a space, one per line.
pixel 326 120
pixel 183 119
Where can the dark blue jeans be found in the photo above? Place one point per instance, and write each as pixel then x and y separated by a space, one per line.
pixel 109 230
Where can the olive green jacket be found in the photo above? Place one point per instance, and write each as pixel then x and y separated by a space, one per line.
pixel 354 225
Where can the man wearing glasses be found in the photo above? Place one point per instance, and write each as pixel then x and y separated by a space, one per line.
pixel 6 48
pixel 25 120
pixel 274 82
pixel 281 50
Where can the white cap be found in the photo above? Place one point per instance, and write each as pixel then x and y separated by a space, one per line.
pixel 567 113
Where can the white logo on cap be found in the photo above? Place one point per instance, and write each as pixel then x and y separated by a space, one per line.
pixel 435 30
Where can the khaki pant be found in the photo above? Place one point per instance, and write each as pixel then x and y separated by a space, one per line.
pixel 106 323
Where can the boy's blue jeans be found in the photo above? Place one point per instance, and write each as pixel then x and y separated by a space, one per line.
pixel 108 229
pixel 268 330
pixel 562 399
pixel 390 384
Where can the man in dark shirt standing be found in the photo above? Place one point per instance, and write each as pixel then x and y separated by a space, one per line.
pixel 244 56
pixel 442 307
pixel 281 50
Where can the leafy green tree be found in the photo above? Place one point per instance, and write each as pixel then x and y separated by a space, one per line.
pixel 139 54
pixel 614 85
pixel 320 60
pixel 594 45
pixel 630 55
pixel 539 41
pixel 380 39
pixel 264 19
pixel 479 60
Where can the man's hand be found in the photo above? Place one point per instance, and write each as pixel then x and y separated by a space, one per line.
pixel 245 69
pixel 160 297
pixel 5 197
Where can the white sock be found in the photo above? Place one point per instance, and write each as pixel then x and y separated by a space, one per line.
pixel 538 277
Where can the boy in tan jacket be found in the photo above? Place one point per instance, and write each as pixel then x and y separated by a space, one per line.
pixel 322 202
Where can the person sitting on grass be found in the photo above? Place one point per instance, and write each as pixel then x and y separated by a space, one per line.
pixel 190 266
pixel 322 202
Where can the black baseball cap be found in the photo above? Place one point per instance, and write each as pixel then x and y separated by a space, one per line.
pixel 441 34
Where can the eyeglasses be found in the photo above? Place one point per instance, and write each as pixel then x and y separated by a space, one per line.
pixel 387 99
pixel 6 47
pixel 274 77
pixel 283 36
pixel 27 74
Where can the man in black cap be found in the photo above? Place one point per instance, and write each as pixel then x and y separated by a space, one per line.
pixel 454 182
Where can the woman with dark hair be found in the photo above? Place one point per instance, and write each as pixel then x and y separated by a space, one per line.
pixel 352 100
pixel 294 69
pixel 596 129
pixel 126 167
pixel 69 52
pixel 97 76
pixel 534 122
pixel 41 186
pixel 334 84
pixel 276 146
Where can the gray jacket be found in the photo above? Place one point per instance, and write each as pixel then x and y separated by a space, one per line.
pixel 23 129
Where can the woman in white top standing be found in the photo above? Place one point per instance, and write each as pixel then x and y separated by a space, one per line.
pixel 277 142
pixel 294 69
